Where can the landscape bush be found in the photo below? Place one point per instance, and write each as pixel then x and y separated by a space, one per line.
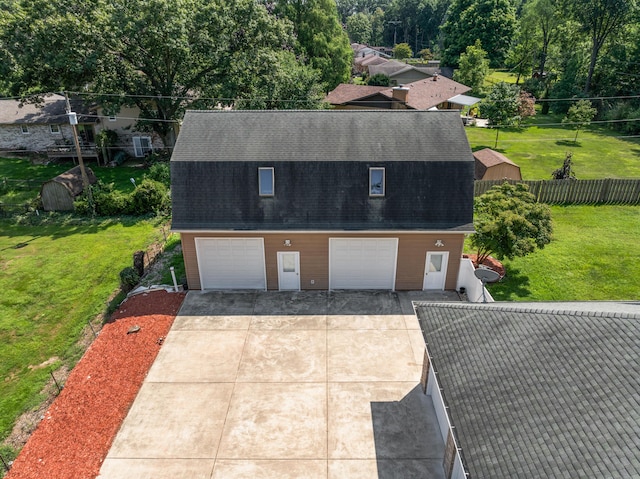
pixel 129 278
pixel 160 172
pixel 150 196
pixel 624 111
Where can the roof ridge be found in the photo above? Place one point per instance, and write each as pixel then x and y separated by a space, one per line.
pixel 533 310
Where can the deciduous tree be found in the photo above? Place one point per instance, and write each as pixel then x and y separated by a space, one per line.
pixel 402 51
pixel 474 67
pixel 509 222
pixel 319 31
pixel 501 106
pixel 580 115
pixel 492 22
pixel 359 28
pixel 601 19
pixel 160 55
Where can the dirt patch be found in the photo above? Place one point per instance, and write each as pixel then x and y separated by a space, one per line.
pixel 76 431
pixel 153 275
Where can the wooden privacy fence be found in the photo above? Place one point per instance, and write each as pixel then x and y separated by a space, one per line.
pixel 564 192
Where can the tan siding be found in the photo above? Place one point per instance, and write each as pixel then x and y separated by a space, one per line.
pixel 314 256
pixel 502 171
pixel 190 260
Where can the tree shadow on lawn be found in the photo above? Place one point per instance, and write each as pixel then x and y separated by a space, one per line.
pixel 491 147
pixel 60 225
pixel 514 285
pixel 569 143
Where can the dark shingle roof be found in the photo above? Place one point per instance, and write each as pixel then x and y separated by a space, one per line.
pixel 321 162
pixel 539 392
pixel 322 135
pixel 51 110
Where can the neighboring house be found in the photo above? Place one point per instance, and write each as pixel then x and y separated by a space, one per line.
pixel 535 390
pixel 322 199
pixel 135 143
pixel 491 165
pixel 360 50
pixel 400 73
pixel 361 64
pixel 44 128
pixel 436 92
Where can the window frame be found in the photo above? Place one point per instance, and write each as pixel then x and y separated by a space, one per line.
pixel 24 129
pixel 384 180
pixel 261 191
pixel 140 150
pixel 52 126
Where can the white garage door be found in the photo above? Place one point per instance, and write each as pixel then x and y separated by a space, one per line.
pixel 362 263
pixel 231 263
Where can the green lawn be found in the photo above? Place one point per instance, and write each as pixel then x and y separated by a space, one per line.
pixel 23 169
pixel 55 278
pixel 595 255
pixel 541 148
pixel 496 76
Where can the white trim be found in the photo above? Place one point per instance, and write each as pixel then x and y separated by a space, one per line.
pixel 140 150
pixel 197 248
pixel 384 181
pixel 58 132
pixel 279 260
pixel 273 181
pixel 24 129
pixel 445 424
pixel 113 118
pixel 443 269
pixel 349 232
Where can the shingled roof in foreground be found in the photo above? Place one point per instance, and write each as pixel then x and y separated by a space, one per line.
pixel 539 391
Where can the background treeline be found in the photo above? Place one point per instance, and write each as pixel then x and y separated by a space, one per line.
pixel 168 55
pixel 573 48
pixel 165 56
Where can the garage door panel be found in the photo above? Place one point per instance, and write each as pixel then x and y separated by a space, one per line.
pixel 362 263
pixel 231 263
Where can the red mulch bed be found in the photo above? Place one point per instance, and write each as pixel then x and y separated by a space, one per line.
pixel 490 263
pixel 77 430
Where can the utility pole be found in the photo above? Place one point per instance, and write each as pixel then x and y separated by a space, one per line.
pixel 73 121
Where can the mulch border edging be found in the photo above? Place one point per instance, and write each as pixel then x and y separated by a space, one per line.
pixel 78 429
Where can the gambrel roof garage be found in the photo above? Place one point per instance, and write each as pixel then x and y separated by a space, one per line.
pixel 337 199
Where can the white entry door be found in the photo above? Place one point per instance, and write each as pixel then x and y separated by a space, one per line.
pixel 435 270
pixel 289 270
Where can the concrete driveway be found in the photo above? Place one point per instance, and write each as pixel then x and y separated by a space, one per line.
pixel 285 385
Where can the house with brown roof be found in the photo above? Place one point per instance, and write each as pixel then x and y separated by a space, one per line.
pixel 492 165
pixel 437 92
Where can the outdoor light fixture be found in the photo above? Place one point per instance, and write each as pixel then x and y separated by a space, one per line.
pixel 287 242
pixel 439 243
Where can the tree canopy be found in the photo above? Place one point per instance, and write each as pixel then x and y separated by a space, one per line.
pixel 160 55
pixel 321 37
pixel 493 22
pixel 580 115
pixel 474 67
pixel 509 223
